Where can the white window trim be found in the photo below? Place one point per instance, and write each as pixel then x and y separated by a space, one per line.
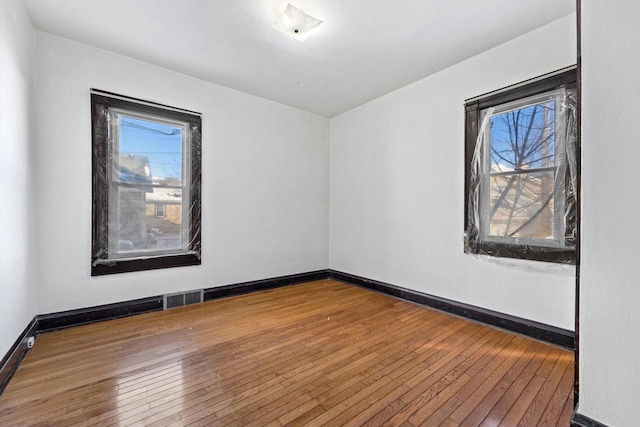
pixel 114 141
pixel 560 154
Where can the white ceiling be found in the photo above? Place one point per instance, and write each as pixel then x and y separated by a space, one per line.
pixel 364 48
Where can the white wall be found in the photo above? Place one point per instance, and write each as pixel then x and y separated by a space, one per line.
pixel 397 186
pixel 610 285
pixel 17 237
pixel 265 179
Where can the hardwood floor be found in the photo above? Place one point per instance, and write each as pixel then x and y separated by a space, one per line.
pixel 319 353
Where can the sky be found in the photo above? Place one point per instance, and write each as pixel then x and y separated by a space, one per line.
pixel 502 131
pixel 161 143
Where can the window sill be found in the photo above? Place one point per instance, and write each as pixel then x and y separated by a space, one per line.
pixel 142 264
pixel 530 253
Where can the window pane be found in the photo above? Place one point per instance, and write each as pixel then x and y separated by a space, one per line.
pixel 131 219
pixel 522 205
pixel 150 151
pixel 164 231
pixel 523 138
pixel 149 217
pixel 139 229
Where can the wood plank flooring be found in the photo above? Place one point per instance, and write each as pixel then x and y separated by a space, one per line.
pixel 319 353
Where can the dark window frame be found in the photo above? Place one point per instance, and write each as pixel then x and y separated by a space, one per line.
pixel 473 244
pixel 101 103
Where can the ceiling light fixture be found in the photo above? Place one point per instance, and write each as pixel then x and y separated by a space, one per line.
pixel 296 23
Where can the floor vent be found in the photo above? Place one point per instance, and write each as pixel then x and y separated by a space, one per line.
pixel 183 298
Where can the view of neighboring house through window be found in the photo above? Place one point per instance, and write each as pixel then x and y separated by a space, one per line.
pixel 146 185
pixel 522 171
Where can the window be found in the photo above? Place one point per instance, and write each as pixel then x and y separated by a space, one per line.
pixel 159 210
pixel 521 177
pixel 146 185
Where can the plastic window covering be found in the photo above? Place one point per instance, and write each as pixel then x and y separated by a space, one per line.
pixel 145 156
pixel 523 179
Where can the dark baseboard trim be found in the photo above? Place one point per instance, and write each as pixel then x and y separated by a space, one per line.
pixel 66 319
pixel 261 285
pixel 11 361
pixel 540 331
pixel 83 316
pixel 579 420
